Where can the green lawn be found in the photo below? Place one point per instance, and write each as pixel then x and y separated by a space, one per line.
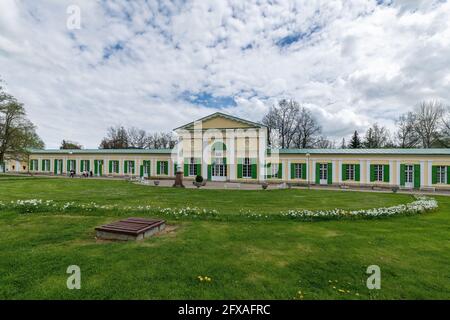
pixel 245 259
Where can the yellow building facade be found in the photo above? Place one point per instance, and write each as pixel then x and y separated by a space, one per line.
pixel 221 147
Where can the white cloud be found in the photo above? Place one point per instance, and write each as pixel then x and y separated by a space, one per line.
pixel 351 62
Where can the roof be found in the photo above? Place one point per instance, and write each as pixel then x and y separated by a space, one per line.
pixel 102 151
pixel 399 151
pixel 227 116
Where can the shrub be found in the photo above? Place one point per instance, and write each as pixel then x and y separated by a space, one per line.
pixel 199 179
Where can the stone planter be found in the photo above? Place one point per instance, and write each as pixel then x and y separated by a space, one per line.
pixel 156 182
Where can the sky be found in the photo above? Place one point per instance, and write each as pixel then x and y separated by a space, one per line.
pixel 157 65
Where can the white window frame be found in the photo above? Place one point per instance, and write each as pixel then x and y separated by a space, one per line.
pixel 247 168
pixel 115 166
pixel 192 167
pixel 379 173
pixel 323 171
pixel 71 165
pixel 35 164
pixel 298 170
pixel 441 175
pixel 46 165
pixel 162 168
pixel 351 172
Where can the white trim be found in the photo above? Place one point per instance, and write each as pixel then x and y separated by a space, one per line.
pixel 430 173
pixel 340 171
pixel 313 180
pixel 391 172
pixel 334 171
pixel 422 173
pixel 367 171
pixel 289 170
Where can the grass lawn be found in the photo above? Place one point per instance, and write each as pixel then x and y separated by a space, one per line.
pixel 245 259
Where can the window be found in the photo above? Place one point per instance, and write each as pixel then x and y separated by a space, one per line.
pixel 72 165
pixel 162 167
pixel 46 165
pixel 192 167
pixel 350 172
pixel 85 165
pixel 129 166
pixel 441 175
pixel 115 166
pixel 323 171
pixel 298 171
pixel 34 165
pixel 379 172
pixel 409 174
pixel 247 168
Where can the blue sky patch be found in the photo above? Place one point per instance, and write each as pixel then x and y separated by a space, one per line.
pixel 298 36
pixel 208 100
pixel 110 50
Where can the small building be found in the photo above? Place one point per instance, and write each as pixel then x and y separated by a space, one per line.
pixel 221 147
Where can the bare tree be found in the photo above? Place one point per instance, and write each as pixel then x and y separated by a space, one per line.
pixel 406 135
pixel 377 137
pixel 160 140
pixel 429 115
pixel 307 130
pixel 323 143
pixel 137 138
pixel 116 138
pixel 282 118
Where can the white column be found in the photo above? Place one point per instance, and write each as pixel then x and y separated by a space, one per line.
pixel 289 170
pixel 391 172
pixel 422 173
pixel 398 172
pixel 430 173
pixel 367 171
pixel 340 175
pixel 333 165
pixel 307 170
pixel 313 180
pixel 360 170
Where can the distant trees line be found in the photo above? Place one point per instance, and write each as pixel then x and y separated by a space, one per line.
pixel 293 126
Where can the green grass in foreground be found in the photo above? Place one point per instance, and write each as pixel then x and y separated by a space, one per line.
pixel 246 260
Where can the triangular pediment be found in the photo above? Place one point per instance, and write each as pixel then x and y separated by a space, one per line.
pixel 221 121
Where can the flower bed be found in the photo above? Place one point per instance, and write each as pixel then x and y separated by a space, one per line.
pixel 422 204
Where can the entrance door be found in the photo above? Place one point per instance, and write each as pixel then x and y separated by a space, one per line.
pixel 323 173
pixel 409 176
pixel 98 170
pixel 219 170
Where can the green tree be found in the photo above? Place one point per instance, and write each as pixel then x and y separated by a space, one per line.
pixel 355 142
pixel 17 133
pixel 67 145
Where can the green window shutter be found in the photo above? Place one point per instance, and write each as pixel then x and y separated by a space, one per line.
pixel 199 169
pixel 55 166
pixel 358 172
pixel 280 171
pixel 448 175
pixel 239 169
pixel 175 168
pixel 186 169
pixel 209 172
pixel 95 167
pixel 417 176
pixel 68 166
pixel 317 173
pixel 110 166
pixel 31 165
pixel 433 175
pixel 402 174
pixel 372 173
pixel 158 167
pixel 330 173
pixel 82 165
pixel 344 172
pixel 43 165
pixel 386 173
pixel 254 169
pixel 141 170
pixel 134 167
pixel 304 171
pixel 292 170
pixel 125 167
pixel 166 167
